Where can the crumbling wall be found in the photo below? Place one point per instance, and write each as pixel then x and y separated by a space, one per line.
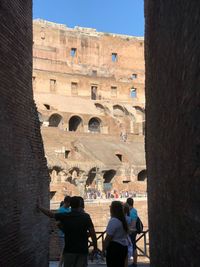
pixel 24 176
pixel 173 131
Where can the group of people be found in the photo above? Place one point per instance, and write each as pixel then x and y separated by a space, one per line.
pixel 92 193
pixel 76 227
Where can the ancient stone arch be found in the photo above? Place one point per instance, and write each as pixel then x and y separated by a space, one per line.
pixel 100 107
pixel 55 120
pixel 94 125
pixel 75 123
pixel 142 175
pixel 118 111
pixel 91 177
pixel 109 175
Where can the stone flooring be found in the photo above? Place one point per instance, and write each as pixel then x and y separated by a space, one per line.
pixel 55 264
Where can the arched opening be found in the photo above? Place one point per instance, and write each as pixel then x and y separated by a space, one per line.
pixel 73 175
pixel 109 175
pixel 119 156
pixel 75 124
pixel 142 176
pixel 91 177
pixel 94 125
pixel 75 171
pixel 55 120
pixel 118 111
pixel 139 109
pixel 47 106
pixel 100 107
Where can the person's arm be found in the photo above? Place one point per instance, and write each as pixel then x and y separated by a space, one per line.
pixel 107 241
pixel 46 212
pixel 93 237
pixel 110 232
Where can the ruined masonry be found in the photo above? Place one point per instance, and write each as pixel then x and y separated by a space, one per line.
pixel 89 91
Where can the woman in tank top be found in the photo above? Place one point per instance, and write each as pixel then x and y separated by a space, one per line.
pixel 116 242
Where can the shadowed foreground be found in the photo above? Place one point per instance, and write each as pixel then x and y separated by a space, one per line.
pixel 55 264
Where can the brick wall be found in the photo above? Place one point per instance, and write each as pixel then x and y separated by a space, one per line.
pixel 24 177
pixel 173 131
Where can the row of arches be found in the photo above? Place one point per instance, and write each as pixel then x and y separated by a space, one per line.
pixel 73 174
pixel 76 123
pixel 59 175
pixel 119 110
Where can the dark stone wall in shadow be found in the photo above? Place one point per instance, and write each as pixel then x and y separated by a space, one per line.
pixel 23 171
pixel 173 131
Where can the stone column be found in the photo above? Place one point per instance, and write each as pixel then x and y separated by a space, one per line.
pixel 99 182
pixel 81 183
pixel 173 131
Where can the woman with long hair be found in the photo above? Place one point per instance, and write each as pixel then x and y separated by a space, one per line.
pixel 116 242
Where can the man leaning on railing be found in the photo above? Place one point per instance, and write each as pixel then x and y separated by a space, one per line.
pixel 76 226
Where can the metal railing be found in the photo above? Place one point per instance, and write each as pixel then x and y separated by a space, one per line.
pixel 100 237
pixel 142 242
pixel 143 251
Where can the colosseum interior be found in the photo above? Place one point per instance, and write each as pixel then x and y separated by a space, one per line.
pixel 89 90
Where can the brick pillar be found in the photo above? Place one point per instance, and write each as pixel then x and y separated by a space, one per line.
pixel 173 131
pixel 24 175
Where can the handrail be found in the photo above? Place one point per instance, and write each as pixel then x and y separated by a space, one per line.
pixel 143 251
pixel 100 235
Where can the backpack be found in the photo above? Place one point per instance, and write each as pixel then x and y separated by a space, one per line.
pixel 139 226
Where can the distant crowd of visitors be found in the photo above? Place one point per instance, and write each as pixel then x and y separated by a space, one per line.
pixel 92 193
pixel 75 227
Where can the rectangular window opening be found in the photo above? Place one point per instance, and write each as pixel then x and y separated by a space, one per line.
pixel 67 153
pixel 113 91
pixel 52 85
pixel 133 92
pixel 125 181
pixel 114 57
pixel 134 76
pixel 94 72
pixel 74 88
pixel 94 92
pixel 73 52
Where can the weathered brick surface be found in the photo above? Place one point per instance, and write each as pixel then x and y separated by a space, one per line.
pixel 172 141
pixel 24 177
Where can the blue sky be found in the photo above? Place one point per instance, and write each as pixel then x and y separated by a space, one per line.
pixel 115 16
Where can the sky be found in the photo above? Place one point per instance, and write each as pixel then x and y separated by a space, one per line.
pixel 114 16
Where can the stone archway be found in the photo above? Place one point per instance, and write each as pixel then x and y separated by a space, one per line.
pixel 94 125
pixel 55 120
pixel 75 124
pixel 118 111
pixel 91 177
pixel 109 175
pixel 100 107
pixel 142 176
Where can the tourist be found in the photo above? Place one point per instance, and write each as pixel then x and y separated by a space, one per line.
pixel 116 242
pixel 133 234
pixel 64 207
pixel 128 220
pixel 81 204
pixel 76 226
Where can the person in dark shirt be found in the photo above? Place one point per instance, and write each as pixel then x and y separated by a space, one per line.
pixel 77 226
